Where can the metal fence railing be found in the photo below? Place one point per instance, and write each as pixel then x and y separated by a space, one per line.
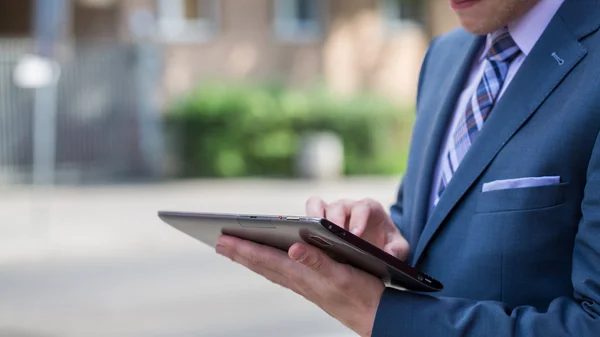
pixel 107 126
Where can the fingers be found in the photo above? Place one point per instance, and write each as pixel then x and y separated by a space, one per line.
pixel 339 212
pixel 315 207
pixel 398 247
pixel 258 268
pixel 257 255
pixel 360 216
pixel 349 214
pixel 365 218
pixel 287 270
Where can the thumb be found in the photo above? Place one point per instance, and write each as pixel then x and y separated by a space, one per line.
pixel 313 258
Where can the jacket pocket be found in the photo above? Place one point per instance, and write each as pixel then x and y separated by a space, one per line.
pixel 517 199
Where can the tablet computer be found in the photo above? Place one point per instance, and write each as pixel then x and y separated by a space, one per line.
pixel 283 231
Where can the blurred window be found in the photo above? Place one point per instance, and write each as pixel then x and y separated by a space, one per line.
pixel 187 20
pixel 399 13
pixel 298 20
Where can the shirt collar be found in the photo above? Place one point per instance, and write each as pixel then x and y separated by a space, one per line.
pixel 527 29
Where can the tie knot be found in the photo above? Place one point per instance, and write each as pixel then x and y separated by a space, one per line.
pixel 503 48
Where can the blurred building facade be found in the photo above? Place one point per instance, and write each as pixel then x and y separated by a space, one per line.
pixel 350 45
pixel 92 116
pixel 123 61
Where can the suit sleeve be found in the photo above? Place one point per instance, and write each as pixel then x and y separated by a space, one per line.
pixel 409 314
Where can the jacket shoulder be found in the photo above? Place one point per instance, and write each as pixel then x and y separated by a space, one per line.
pixel 442 50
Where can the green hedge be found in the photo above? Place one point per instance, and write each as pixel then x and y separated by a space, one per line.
pixel 224 130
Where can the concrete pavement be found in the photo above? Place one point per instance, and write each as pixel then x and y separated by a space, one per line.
pixel 96 261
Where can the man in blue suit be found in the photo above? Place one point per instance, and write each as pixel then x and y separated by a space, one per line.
pixel 501 198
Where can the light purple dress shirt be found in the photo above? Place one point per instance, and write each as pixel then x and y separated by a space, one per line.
pixel 525 31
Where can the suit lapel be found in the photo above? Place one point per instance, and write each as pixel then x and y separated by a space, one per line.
pixel 437 123
pixel 539 75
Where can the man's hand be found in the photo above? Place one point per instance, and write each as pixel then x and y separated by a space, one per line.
pixel 349 295
pixel 365 218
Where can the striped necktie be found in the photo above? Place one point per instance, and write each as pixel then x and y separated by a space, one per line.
pixel 502 52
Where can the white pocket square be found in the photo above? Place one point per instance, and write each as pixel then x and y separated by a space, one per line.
pixel 520 183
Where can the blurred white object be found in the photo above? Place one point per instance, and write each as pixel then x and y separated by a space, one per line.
pixel 34 72
pixel 321 156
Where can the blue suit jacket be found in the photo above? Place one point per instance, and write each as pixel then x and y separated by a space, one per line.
pixel 516 262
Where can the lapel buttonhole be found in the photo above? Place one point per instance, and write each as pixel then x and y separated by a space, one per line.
pixel 558 59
